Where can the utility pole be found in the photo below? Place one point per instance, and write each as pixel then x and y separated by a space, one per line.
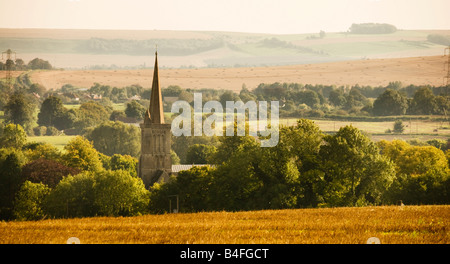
pixel 8 66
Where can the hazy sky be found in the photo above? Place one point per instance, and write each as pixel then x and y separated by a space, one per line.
pixel 259 16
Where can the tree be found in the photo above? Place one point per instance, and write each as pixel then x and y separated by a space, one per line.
pixel 235 182
pixel 192 187
pixel 74 196
pixel 13 136
pixel 37 88
pixel 125 163
pixel 322 34
pixel 90 114
pixel 11 162
pixel 398 127
pixel 53 113
pixel 102 193
pixel 337 97
pixel 302 142
pixel 117 193
pixel 37 63
pixel 422 173
pixel 200 154
pixel 390 102
pixel 135 110
pixel 19 110
pixel 309 98
pixel 28 204
pixel 115 138
pixel 354 170
pixel 80 154
pixel 47 151
pixel 424 102
pixel 48 172
pixel 372 28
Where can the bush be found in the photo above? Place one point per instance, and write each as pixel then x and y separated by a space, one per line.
pixel 52 131
pixel 398 127
pixel 40 131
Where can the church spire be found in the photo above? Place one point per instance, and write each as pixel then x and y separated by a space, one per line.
pixel 155 113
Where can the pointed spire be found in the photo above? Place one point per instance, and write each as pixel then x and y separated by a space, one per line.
pixel 155 113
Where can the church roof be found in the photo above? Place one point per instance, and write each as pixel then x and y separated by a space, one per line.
pixel 182 167
pixel 155 113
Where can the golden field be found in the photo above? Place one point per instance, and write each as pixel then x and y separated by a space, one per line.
pixel 391 224
pixel 428 70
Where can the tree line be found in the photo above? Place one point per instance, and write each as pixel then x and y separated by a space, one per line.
pixel 372 28
pixel 307 169
pixel 310 169
pixel 20 65
pixel 296 100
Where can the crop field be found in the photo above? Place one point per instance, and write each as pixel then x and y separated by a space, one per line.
pixel 376 72
pixel 350 225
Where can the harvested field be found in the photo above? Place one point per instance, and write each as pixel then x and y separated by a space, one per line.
pixel 374 72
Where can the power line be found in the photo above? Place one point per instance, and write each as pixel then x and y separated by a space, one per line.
pixel 8 66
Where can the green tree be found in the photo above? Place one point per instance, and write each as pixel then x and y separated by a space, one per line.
pixel 192 187
pixel 20 110
pixel 424 102
pixel 90 114
pixel 355 172
pixel 37 63
pixel 112 138
pixel 125 163
pixel 11 162
pixel 47 151
pixel 398 127
pixel 13 136
pixel 53 113
pixel 135 110
pixel 200 154
pixel 302 142
pixel 337 97
pixel 28 204
pixel 228 96
pixel 80 154
pixel 390 102
pixel 102 193
pixel 309 98
pixel 235 182
pixel 117 193
pixel 74 196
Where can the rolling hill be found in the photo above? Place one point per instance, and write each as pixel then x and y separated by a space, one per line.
pixel 102 49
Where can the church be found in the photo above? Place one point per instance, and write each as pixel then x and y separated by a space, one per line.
pixel 155 164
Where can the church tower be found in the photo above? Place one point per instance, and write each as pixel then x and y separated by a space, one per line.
pixel 155 161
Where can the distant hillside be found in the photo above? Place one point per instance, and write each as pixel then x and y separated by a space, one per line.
pixel 111 49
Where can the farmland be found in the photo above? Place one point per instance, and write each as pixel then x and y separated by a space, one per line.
pixel 377 72
pixel 227 60
pixel 345 225
pixel 133 48
pixel 420 130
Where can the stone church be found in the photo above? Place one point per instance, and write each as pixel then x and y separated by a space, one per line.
pixel 155 164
